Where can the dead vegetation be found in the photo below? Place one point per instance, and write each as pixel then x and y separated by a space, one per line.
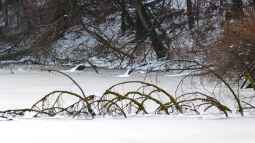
pixel 141 98
pixel 233 53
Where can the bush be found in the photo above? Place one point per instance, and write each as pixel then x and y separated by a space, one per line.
pixel 233 54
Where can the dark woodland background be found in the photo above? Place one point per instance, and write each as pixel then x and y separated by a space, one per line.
pixel 218 33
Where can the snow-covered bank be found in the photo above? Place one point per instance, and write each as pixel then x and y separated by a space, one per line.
pixel 132 130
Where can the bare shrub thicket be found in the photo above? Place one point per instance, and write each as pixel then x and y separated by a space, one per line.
pixel 233 54
pixel 30 26
pixel 144 98
pixel 154 25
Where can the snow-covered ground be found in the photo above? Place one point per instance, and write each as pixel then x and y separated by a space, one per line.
pixel 23 88
pixel 131 130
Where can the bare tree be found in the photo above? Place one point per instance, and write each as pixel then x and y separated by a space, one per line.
pixel 33 25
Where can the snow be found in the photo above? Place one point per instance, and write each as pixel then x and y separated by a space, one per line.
pixel 126 74
pixel 74 69
pixel 181 74
pixel 132 130
pixel 23 87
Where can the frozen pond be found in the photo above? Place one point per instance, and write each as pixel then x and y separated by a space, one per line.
pixel 23 88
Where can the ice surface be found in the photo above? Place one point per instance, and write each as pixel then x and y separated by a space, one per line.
pixel 22 88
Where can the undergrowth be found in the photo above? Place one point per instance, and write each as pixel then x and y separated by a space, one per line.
pixel 143 98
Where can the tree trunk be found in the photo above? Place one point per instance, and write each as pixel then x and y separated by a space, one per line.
pixel 190 13
pixel 252 2
pixel 5 12
pixel 1 5
pixel 144 28
pixel 126 20
pixel 237 9
pixel 160 50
